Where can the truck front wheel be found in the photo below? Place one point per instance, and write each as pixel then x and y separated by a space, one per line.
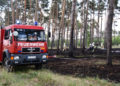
pixel 7 65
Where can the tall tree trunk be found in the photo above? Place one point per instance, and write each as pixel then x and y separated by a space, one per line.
pixel 54 23
pixel 16 3
pixel 81 34
pixel 98 30
pixel 13 19
pixel 36 9
pixel 90 29
pixel 53 33
pixel 72 27
pixel 93 26
pixel 76 44
pixel 75 31
pixel 105 35
pixel 48 33
pixel 61 25
pixel 68 23
pixel 21 3
pixel 29 15
pixel 82 28
pixel 53 28
pixel 24 11
pixel 85 25
pixel 109 30
pixel 101 35
pixel 8 17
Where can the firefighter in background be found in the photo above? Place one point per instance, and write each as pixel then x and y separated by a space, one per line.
pixel 91 48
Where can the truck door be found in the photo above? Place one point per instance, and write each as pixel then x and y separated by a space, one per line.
pixel 7 39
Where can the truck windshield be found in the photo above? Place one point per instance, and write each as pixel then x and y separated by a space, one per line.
pixel 30 35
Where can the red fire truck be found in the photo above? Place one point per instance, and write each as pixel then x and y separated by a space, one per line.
pixel 22 44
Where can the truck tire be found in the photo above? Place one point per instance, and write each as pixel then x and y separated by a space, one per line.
pixel 38 66
pixel 7 65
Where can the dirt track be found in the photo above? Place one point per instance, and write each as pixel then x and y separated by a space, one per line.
pixel 84 67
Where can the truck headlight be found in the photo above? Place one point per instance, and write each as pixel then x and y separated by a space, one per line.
pixel 44 57
pixel 16 57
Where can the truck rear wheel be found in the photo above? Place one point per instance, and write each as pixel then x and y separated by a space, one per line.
pixel 38 66
pixel 7 65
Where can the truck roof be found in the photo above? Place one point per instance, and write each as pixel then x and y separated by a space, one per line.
pixel 24 27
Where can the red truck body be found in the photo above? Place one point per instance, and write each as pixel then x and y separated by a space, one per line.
pixel 28 47
pixel 1 43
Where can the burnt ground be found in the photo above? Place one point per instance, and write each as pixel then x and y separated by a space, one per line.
pixel 86 67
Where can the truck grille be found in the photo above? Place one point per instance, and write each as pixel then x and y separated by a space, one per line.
pixel 31 50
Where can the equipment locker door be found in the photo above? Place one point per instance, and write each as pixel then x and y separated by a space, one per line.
pixel 1 43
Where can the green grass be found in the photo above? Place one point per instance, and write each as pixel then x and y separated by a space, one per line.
pixel 45 77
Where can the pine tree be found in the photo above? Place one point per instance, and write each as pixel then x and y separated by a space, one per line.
pixel 71 47
pixel 109 30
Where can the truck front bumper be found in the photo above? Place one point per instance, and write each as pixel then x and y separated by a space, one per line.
pixel 30 59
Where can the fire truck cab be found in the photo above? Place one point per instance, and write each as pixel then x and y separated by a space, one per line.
pixel 22 44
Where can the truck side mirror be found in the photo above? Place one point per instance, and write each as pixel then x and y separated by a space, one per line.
pixel 49 34
pixel 15 33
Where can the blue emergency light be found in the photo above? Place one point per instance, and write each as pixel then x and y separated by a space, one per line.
pixel 36 23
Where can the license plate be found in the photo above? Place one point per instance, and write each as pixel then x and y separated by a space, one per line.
pixel 31 57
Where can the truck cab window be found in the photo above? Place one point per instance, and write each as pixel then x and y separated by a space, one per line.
pixel 30 35
pixel 7 34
